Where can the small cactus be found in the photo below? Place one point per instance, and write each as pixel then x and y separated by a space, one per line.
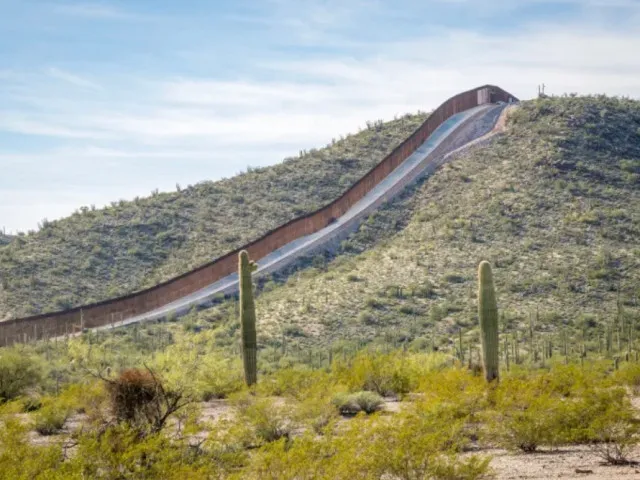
pixel 488 318
pixel 247 318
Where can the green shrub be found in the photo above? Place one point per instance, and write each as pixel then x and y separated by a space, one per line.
pixel 395 373
pixel 19 459
pixel 629 375
pixel 565 405
pixel 353 403
pixel 457 391
pixel 31 403
pixel 18 373
pixel 530 422
pixel 454 278
pixel 218 377
pixel 367 318
pixel 87 398
pixel 298 382
pixel 294 331
pixel 613 429
pixel 266 420
pixel 374 303
pixel 382 374
pixel 316 412
pixel 426 444
pixel 406 447
pixel 120 452
pixel 50 420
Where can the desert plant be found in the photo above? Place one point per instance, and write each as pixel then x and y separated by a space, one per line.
pixel 614 429
pixel 457 390
pixel 218 377
pixel 407 448
pixel 139 398
pixel 353 403
pixel 262 420
pixel 529 422
pixel 50 420
pixel 20 459
pixel 488 318
pixel 296 382
pixel 383 374
pixel 120 452
pixel 18 373
pixel 629 375
pixel 568 404
pixel 247 318
pixel 530 412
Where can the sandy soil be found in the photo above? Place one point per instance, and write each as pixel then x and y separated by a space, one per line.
pixel 567 463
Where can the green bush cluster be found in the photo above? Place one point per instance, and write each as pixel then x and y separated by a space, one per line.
pixel 354 403
pixel 288 426
pixel 19 371
pixel 564 406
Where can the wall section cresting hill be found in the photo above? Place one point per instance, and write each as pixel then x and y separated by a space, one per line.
pixel 117 309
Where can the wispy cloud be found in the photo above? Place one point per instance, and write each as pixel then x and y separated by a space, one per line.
pixel 313 100
pixel 126 129
pixel 95 11
pixel 73 79
pixel 582 3
pixel 326 23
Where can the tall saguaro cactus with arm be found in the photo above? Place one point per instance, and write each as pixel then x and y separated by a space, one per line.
pixel 488 317
pixel 247 318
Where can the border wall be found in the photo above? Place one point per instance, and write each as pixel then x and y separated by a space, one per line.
pixel 117 309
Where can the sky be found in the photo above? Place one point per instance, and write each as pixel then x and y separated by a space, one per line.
pixel 101 101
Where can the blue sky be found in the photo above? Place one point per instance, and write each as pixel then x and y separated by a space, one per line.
pixel 107 100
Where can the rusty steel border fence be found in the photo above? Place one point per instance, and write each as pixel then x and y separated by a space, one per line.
pixel 114 310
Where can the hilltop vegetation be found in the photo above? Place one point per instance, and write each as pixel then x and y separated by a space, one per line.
pixel 100 253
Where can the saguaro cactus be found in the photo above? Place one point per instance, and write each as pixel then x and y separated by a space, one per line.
pixel 247 318
pixel 488 317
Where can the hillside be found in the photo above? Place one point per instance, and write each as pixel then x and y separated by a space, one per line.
pixel 553 204
pixel 350 384
pixel 100 253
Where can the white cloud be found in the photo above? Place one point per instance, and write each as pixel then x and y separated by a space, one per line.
pixel 46 125
pixel 184 129
pixel 314 100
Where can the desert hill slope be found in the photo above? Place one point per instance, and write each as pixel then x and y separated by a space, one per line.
pixel 100 253
pixel 553 203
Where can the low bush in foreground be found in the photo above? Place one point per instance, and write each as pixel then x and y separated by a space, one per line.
pixel 18 373
pixel 353 403
pixel 50 420
pixel 417 445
